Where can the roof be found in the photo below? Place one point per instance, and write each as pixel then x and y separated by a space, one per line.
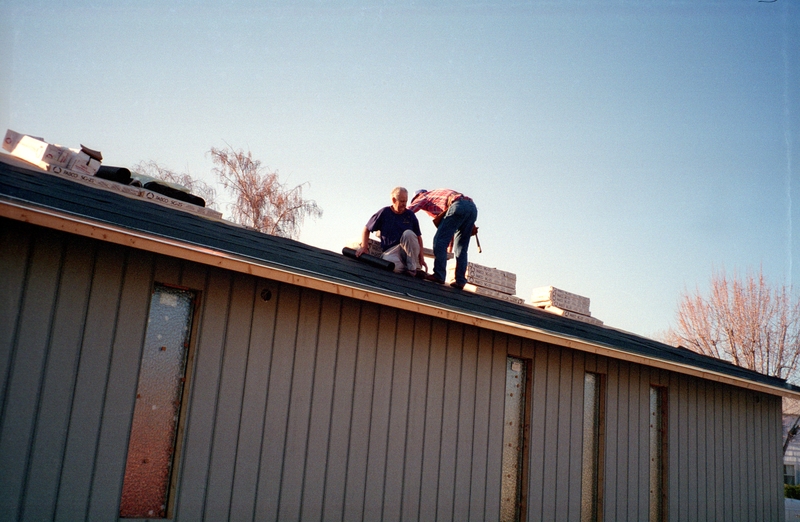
pixel 31 195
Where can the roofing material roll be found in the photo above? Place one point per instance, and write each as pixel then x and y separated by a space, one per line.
pixel 377 262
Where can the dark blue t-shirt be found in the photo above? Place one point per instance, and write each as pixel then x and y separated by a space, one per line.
pixel 392 226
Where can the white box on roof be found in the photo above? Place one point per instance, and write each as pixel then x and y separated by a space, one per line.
pixel 550 295
pixel 36 151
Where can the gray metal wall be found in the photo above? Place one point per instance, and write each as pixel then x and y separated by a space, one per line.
pixel 316 407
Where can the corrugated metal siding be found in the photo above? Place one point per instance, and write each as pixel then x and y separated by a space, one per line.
pixel 316 407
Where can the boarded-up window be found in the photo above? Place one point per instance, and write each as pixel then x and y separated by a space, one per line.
pixel 158 404
pixel 658 453
pixel 592 461
pixel 511 501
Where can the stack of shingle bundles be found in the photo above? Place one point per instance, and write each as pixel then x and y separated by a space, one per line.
pixel 561 302
pixel 50 157
pixel 488 281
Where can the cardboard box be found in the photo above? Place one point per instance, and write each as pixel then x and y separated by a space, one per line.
pixel 81 162
pixel 36 151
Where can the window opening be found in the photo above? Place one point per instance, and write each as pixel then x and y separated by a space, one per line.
pixel 159 394
pixel 512 496
pixel 658 453
pixel 593 436
pixel 788 474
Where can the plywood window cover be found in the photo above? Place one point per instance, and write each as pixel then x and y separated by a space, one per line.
pixel 285 274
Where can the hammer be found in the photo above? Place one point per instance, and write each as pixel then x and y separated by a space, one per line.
pixel 475 233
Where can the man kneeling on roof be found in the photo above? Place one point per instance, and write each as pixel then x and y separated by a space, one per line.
pixel 401 239
pixel 454 215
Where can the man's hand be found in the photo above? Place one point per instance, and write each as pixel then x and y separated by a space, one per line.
pixel 360 250
pixel 422 262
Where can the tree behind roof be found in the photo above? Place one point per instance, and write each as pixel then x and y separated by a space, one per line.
pixel 745 321
pixel 195 186
pixel 261 200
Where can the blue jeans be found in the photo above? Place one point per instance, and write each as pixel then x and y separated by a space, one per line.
pixel 456 225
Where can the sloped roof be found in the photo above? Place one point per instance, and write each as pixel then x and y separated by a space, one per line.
pixel 29 194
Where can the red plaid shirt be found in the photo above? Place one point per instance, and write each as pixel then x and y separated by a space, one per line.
pixel 434 202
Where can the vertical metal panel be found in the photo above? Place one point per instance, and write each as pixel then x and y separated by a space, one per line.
pixel 15 245
pixel 398 417
pixel 563 400
pixel 708 440
pixel 120 392
pixel 358 443
pixel 321 406
pixel 622 492
pixel 450 421
pixel 760 460
pixel 719 460
pixel 203 397
pixel 550 420
pixel 612 434
pixel 466 427
pixel 642 490
pixel 277 407
pixel 415 427
pixel 692 452
pixel 47 445
pixel 26 369
pixel 381 408
pixel 729 455
pixel 634 429
pixel 740 463
pixel 229 399
pixel 294 453
pixel 254 400
pixel 575 444
pixel 775 462
pixel 480 437
pixel 752 456
pixel 339 440
pixel 431 456
pixel 87 400
pixel 167 270
pixel 536 438
pixel 675 428
pixel 700 462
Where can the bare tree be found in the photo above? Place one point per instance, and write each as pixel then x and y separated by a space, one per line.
pixel 262 201
pixel 747 322
pixel 195 186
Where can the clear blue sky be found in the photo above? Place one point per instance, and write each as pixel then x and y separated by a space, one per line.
pixel 619 150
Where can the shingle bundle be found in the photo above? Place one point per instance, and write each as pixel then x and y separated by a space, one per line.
pixel 561 302
pixel 488 281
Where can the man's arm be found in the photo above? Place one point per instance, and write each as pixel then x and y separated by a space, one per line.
pixel 364 248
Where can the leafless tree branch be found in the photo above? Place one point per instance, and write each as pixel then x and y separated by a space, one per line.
pixel 262 201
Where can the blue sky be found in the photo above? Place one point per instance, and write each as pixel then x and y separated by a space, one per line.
pixel 619 150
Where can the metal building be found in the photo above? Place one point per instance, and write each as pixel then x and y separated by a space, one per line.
pixel 159 364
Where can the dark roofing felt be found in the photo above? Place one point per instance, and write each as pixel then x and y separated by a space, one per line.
pixel 33 186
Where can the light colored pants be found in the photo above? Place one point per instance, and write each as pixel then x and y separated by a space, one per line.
pixel 404 255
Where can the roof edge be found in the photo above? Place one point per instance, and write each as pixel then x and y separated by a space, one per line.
pixel 86 227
